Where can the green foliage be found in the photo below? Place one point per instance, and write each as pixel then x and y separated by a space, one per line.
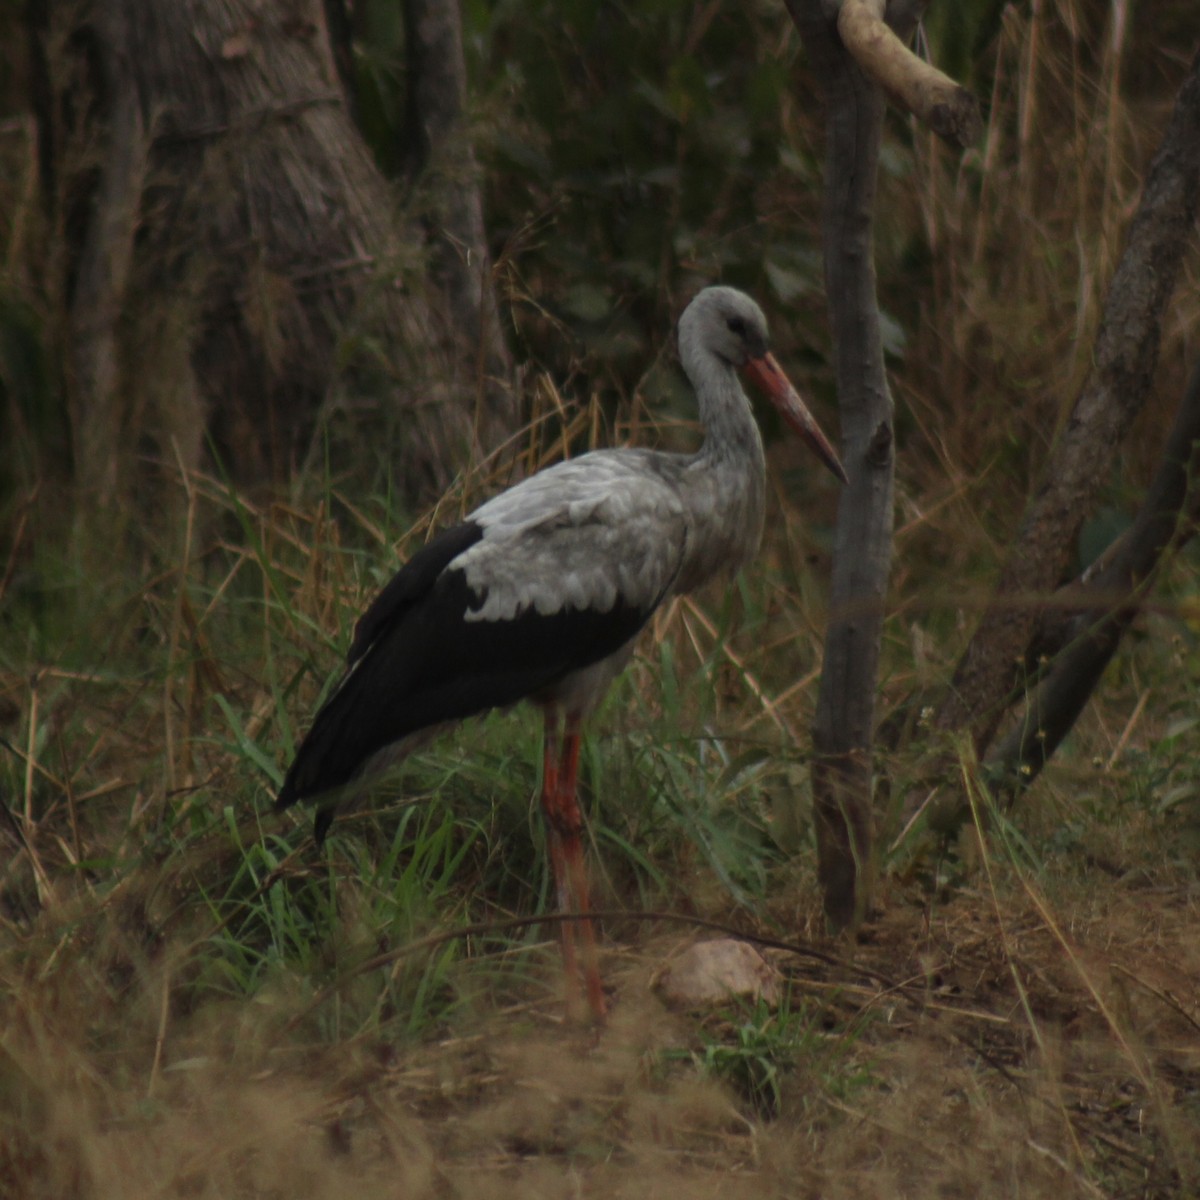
pixel 650 140
pixel 757 1050
pixel 959 35
pixel 1164 782
pixel 632 152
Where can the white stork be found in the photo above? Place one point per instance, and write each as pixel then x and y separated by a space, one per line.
pixel 540 594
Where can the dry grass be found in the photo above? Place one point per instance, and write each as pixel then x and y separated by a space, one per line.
pixel 1023 234
pixel 1022 1050
pixel 1023 1017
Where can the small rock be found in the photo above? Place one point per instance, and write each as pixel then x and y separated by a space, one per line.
pixel 710 973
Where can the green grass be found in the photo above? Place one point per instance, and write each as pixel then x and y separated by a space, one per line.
pixel 773 1056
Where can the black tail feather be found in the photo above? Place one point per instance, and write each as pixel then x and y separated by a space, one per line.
pixel 321 824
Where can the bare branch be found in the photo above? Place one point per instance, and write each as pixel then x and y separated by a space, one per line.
pixel 1109 598
pixel 439 143
pixel 914 85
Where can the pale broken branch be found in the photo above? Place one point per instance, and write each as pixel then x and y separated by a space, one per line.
pixel 919 88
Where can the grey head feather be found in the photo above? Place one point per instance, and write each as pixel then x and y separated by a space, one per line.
pixel 724 323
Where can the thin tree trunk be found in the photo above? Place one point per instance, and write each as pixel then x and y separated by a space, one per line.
pixel 103 268
pixel 844 724
pixel 441 152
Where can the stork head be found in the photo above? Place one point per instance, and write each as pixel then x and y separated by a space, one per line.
pixel 727 324
pixel 724 322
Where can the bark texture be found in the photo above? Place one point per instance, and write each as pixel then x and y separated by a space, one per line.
pixel 913 84
pixel 441 151
pixel 1105 601
pixel 1125 356
pixel 104 264
pixel 238 271
pixel 844 724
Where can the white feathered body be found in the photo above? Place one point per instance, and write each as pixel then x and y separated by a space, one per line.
pixel 542 591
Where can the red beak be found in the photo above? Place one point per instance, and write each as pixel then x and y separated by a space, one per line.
pixel 769 376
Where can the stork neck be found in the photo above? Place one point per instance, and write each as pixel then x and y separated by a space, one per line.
pixel 730 431
pixel 724 481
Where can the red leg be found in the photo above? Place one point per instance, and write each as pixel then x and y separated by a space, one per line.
pixel 554 844
pixel 572 847
pixel 564 824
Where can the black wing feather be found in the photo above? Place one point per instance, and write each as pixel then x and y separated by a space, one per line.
pixel 417 661
pixel 410 584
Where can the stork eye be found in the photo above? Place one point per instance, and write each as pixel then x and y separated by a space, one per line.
pixel 736 325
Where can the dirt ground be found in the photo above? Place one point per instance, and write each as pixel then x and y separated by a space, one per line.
pixel 986 1048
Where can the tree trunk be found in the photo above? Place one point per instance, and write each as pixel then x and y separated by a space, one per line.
pixel 440 153
pixel 237 270
pixel 104 263
pixel 844 725
pixel 1106 600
